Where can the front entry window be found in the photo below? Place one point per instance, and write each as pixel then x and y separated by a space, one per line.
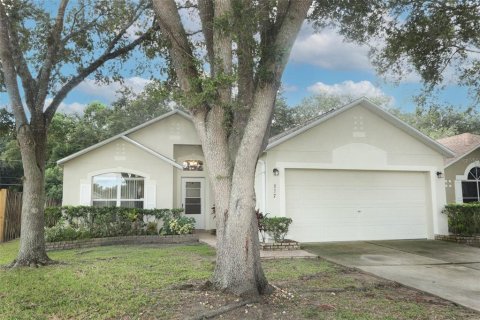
pixel 193 198
pixel 118 190
pixel 470 187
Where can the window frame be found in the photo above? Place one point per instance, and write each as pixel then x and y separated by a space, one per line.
pixel 475 173
pixel 118 199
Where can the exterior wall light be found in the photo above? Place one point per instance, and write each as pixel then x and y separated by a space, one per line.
pixel 439 174
pixel 276 172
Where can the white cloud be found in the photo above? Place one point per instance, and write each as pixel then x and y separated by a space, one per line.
pixel 328 50
pixel 349 88
pixel 109 92
pixel 73 107
pixel 69 108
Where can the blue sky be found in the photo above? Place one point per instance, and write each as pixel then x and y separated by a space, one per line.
pixel 319 63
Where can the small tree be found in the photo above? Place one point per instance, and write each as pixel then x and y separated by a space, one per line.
pixel 42 59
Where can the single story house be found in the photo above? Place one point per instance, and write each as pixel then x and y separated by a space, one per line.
pixel 462 173
pixel 354 173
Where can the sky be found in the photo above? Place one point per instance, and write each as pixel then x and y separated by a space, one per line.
pixel 319 63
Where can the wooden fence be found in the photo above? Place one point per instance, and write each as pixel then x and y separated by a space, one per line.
pixel 11 212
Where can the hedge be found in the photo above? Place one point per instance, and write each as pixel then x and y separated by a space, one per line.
pixel 83 222
pixel 463 219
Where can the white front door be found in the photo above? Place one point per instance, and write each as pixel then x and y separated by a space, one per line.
pixel 193 200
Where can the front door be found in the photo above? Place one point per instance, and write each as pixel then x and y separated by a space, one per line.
pixel 193 200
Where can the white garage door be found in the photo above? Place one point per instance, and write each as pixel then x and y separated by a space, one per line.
pixel 342 205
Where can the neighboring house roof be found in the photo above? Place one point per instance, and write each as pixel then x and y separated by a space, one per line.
pixel 462 144
pixel 124 134
pixel 289 134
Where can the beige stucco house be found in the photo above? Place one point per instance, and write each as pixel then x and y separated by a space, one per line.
pixel 462 173
pixel 356 173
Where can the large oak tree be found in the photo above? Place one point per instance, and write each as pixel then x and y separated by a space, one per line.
pixel 45 52
pixel 229 73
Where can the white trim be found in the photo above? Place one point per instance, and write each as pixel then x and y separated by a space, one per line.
pixel 380 112
pixel 104 142
pixel 116 170
pixel 200 223
pixel 263 185
pixel 432 217
pixel 152 152
pixel 459 178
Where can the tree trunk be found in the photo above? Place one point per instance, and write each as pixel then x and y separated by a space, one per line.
pixel 238 269
pixel 32 240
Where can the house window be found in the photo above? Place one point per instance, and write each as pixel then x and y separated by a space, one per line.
pixel 118 190
pixel 193 165
pixel 470 187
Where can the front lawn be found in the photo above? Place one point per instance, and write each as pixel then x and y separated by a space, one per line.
pixel 165 282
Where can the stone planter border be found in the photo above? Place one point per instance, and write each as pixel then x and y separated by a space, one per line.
pixel 287 245
pixel 122 240
pixel 473 241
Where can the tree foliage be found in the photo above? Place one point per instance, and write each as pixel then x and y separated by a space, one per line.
pixel 436 39
pixel 69 133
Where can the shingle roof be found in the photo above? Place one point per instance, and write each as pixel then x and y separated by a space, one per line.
pixel 461 144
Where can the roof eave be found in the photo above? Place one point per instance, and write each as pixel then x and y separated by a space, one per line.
pixel 379 111
pixel 104 142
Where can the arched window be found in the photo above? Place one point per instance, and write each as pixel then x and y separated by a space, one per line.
pixel 470 187
pixel 118 190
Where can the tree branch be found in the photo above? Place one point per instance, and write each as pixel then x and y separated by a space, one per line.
pixel 84 73
pixel 180 51
pixel 29 84
pixel 43 79
pixel 205 9
pixel 8 68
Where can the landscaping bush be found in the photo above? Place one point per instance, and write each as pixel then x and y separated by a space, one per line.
pixel 63 232
pixel 175 224
pixel 261 225
pixel 463 219
pixel 52 216
pixel 82 222
pixel 151 228
pixel 277 227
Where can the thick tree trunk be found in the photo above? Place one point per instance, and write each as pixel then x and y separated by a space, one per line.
pixel 238 269
pixel 32 240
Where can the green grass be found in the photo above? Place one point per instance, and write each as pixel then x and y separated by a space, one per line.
pixel 105 281
pixel 143 282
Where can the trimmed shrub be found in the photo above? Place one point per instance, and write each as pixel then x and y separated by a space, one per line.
pixel 463 219
pixel 81 222
pixel 64 232
pixel 52 216
pixel 261 225
pixel 277 227
pixel 174 223
pixel 151 228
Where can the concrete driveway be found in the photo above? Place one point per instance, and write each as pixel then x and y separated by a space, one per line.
pixel 444 269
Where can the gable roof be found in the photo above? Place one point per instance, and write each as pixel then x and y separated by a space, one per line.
pixel 462 144
pixel 289 134
pixel 124 134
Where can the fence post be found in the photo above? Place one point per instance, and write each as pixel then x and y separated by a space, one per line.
pixel 3 211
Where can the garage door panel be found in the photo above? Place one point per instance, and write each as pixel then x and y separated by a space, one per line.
pixel 326 209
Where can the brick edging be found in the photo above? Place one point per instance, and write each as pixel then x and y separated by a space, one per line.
pixel 468 240
pixel 97 242
pixel 280 246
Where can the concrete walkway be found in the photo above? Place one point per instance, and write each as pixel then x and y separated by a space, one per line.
pixel 211 240
pixel 448 270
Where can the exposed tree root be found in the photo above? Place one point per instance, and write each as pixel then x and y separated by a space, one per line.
pixel 32 263
pixel 224 309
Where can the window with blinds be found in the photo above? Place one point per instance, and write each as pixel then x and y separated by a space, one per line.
pixel 118 190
